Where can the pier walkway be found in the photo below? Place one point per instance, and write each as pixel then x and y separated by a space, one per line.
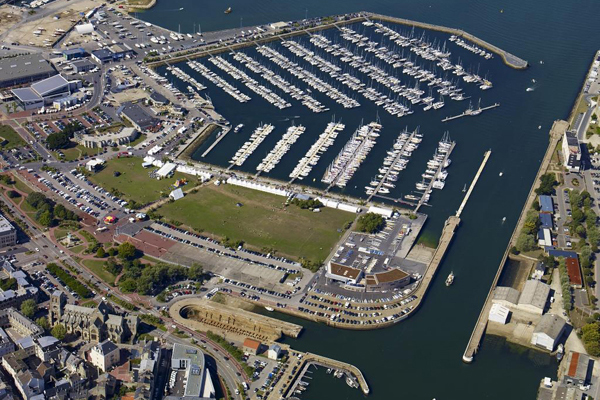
pixel 486 156
pixel 398 157
pixel 556 133
pixel 469 113
pixel 439 169
pixel 226 130
pixel 508 58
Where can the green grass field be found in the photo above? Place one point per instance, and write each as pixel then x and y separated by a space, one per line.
pixel 12 138
pixel 261 222
pixel 74 153
pixel 97 267
pixel 134 182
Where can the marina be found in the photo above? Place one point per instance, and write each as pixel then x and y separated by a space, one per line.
pixel 282 147
pixel 249 146
pixel 352 155
pixel 311 158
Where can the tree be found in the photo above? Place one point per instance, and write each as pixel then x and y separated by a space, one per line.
pixel 532 222
pixel 101 253
pixel 370 223
pixel 13 194
pixel 45 218
pixel 112 252
pixel 42 322
pixel 29 308
pixel 547 184
pixel 128 285
pixel 58 140
pixel 525 242
pixel 195 272
pixel 59 331
pixel 126 251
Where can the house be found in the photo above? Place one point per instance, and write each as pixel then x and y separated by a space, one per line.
pixel 251 346
pixel 274 352
pixel 571 151
pixel 499 313
pixel 158 99
pixel 548 331
pixel 104 355
pixel 539 271
pixel 578 369
pixel 534 296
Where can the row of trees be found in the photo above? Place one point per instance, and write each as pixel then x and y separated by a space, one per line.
pixel 307 204
pixel 48 213
pixel 565 285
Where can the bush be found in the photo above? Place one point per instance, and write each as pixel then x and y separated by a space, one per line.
pixel 13 194
pixel 307 204
pixel 370 223
pixel 526 242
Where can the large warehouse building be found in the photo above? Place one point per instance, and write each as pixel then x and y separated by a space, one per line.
pixel 24 69
pixel 45 92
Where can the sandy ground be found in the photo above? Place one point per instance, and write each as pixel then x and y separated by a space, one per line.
pixel 68 16
pixel 129 95
pixel 9 16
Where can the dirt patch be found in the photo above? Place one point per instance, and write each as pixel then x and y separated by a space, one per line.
pixel 44 31
pixel 9 16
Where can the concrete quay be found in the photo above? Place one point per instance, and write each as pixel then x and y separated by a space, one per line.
pixel 556 133
pixel 508 58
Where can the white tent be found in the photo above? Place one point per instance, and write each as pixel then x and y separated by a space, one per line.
pixel 84 29
pixel 176 194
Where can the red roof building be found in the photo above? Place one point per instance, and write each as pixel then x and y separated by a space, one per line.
pixel 574 272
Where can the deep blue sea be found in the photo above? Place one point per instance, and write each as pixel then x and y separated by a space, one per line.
pixel 421 358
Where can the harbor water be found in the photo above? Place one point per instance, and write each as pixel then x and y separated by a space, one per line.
pixel 421 358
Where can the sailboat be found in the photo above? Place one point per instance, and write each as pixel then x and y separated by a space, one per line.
pixel 228 11
pixel 465 188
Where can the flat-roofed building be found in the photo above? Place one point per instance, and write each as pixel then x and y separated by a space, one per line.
pixel 124 136
pixel 546 204
pixel 138 117
pixel 548 332
pixel 571 151
pixel 24 69
pixel 387 280
pixel 578 369
pixel 189 364
pixel 534 296
pixel 71 54
pixel 8 233
pixel 343 273
pixel 83 65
